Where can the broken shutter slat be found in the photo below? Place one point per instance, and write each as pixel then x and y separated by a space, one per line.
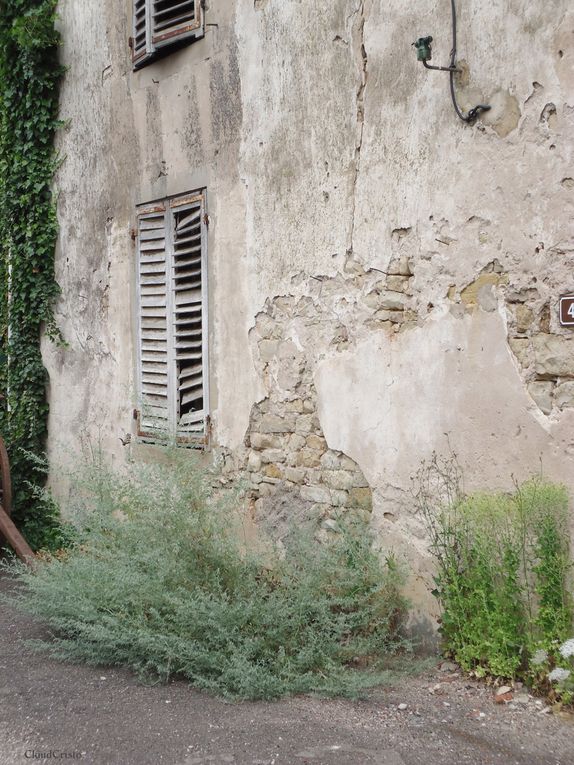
pixel 189 289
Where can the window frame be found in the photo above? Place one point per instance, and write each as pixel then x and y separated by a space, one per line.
pixel 195 437
pixel 156 45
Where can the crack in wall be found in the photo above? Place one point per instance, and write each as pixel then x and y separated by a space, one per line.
pixel 361 60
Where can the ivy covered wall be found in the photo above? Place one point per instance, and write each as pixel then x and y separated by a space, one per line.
pixel 29 80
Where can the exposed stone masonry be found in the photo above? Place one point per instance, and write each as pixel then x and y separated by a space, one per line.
pixel 543 350
pixel 286 462
pixel 285 455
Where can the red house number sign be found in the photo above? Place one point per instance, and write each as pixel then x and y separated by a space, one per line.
pixel 567 311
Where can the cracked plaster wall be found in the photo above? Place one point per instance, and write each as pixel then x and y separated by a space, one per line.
pixel 383 278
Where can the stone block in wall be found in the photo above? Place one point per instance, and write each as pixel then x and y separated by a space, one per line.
pixel 304 424
pixel 564 395
pixel 254 462
pixel 338 479
pixel 400 267
pixel 523 295
pixel 392 301
pixel 398 283
pixel 294 406
pixel 521 348
pixel 288 350
pixel 273 471
pixel 295 475
pixel 266 489
pixel 308 458
pixel 389 317
pixel 316 442
pixel 268 350
pixel 359 480
pixel 273 423
pixel 339 498
pixel 331 461
pixel 371 300
pixel 361 498
pixel 264 441
pixel 296 442
pixel 524 317
pixel 541 392
pixel 554 355
pixel 316 494
pixel 289 374
pixel 272 455
pixel 346 463
pixel 265 325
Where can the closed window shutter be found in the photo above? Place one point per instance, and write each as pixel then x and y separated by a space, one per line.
pixel 172 326
pixel 190 316
pixel 173 20
pixel 154 342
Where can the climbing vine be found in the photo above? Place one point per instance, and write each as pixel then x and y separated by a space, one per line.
pixel 29 80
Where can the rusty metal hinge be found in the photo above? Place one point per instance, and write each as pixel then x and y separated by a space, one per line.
pixel 207 437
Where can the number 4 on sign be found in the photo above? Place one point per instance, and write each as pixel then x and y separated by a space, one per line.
pixel 567 311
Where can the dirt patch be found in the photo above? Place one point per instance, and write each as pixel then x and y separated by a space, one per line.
pixel 104 716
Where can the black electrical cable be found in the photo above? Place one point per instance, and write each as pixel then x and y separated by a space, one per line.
pixel 424 54
pixel 473 113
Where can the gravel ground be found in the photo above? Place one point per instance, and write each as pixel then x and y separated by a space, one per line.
pixel 53 711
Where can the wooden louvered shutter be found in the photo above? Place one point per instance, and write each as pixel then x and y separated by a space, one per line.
pixel 141 40
pixel 173 20
pixel 189 284
pixel 154 310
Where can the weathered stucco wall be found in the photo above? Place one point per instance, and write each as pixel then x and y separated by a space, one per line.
pixel 384 279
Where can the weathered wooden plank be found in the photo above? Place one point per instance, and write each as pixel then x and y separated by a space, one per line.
pixel 15 539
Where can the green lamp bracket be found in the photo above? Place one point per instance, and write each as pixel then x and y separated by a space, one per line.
pixel 424 53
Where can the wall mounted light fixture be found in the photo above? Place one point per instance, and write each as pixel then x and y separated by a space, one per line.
pixel 424 53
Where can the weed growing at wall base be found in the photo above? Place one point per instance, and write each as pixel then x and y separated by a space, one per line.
pixel 503 572
pixel 157 580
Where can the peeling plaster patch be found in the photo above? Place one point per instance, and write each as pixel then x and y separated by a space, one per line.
pixel 481 292
pixel 285 453
pixel 389 401
pixel 504 114
pixel 544 357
